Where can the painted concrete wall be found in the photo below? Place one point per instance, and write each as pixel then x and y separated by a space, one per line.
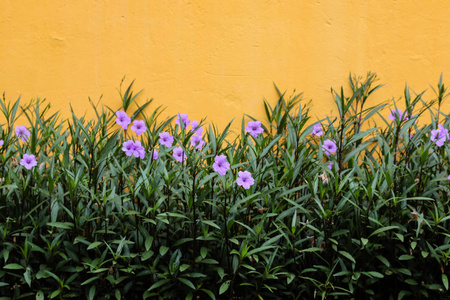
pixel 218 58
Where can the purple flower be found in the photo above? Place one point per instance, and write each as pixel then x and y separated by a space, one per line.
pixel 254 128
pixel 439 136
pixel 135 149
pixel 397 114
pixel 139 150
pixel 138 127
pixel 178 154
pixel 329 147
pixel 155 154
pixel 197 142
pixel 448 177
pixel 195 128
pixel 28 161
pixel 2 142
pixel 184 119
pixel 123 119
pixel 220 164
pixel 330 165
pixel 128 147
pixel 245 179
pixel 194 124
pixel 22 133
pixel 165 139
pixel 317 130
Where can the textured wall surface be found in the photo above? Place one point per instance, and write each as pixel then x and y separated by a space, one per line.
pixel 218 58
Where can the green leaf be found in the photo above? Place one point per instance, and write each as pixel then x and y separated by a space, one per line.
pixel 405 271
pixel 90 280
pixel 6 254
pixel 117 294
pixel 294 222
pixel 379 230
pixel 433 286
pixel 348 255
pixel 13 267
pixel 62 225
pixel 445 281
pixel 92 292
pixel 224 287
pixel 148 242
pixel 54 211
pixel 184 267
pixel 400 237
pixel 210 293
pixel 342 273
pixel 158 284
pixel 112 142
pixel 220 272
pixel 209 261
pixel 94 245
pixel 411 281
pixel 187 282
pixel 203 252
pixel 312 249
pixel 211 223
pixel 55 293
pixel 340 232
pixel 402 294
pixel 163 250
pixel 269 147
pixel 406 257
pixel 27 276
pixel 40 295
pixel 375 274
pixel 146 255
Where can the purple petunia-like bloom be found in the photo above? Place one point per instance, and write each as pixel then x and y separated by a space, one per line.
pixel 123 119
pixel 184 119
pixel 139 150
pixel 254 128
pixel 329 147
pixel 22 133
pixel 221 165
pixel 440 135
pixel 178 154
pixel 165 139
pixel 128 147
pixel 330 165
pixel 245 179
pixel 2 142
pixel 132 148
pixel 317 130
pixel 197 142
pixel 155 154
pixel 28 161
pixel 138 127
pixel 198 130
pixel 397 114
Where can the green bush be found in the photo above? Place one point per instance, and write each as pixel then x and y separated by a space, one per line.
pixel 337 209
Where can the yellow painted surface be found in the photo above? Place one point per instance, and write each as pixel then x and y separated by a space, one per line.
pixel 218 58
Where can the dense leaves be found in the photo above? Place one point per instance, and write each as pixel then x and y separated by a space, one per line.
pixel 287 209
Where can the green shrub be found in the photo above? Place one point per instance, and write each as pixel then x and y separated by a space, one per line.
pixel 336 209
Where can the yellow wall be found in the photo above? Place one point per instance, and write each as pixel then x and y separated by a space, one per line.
pixel 218 58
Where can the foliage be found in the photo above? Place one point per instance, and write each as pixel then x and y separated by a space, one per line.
pixel 368 221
